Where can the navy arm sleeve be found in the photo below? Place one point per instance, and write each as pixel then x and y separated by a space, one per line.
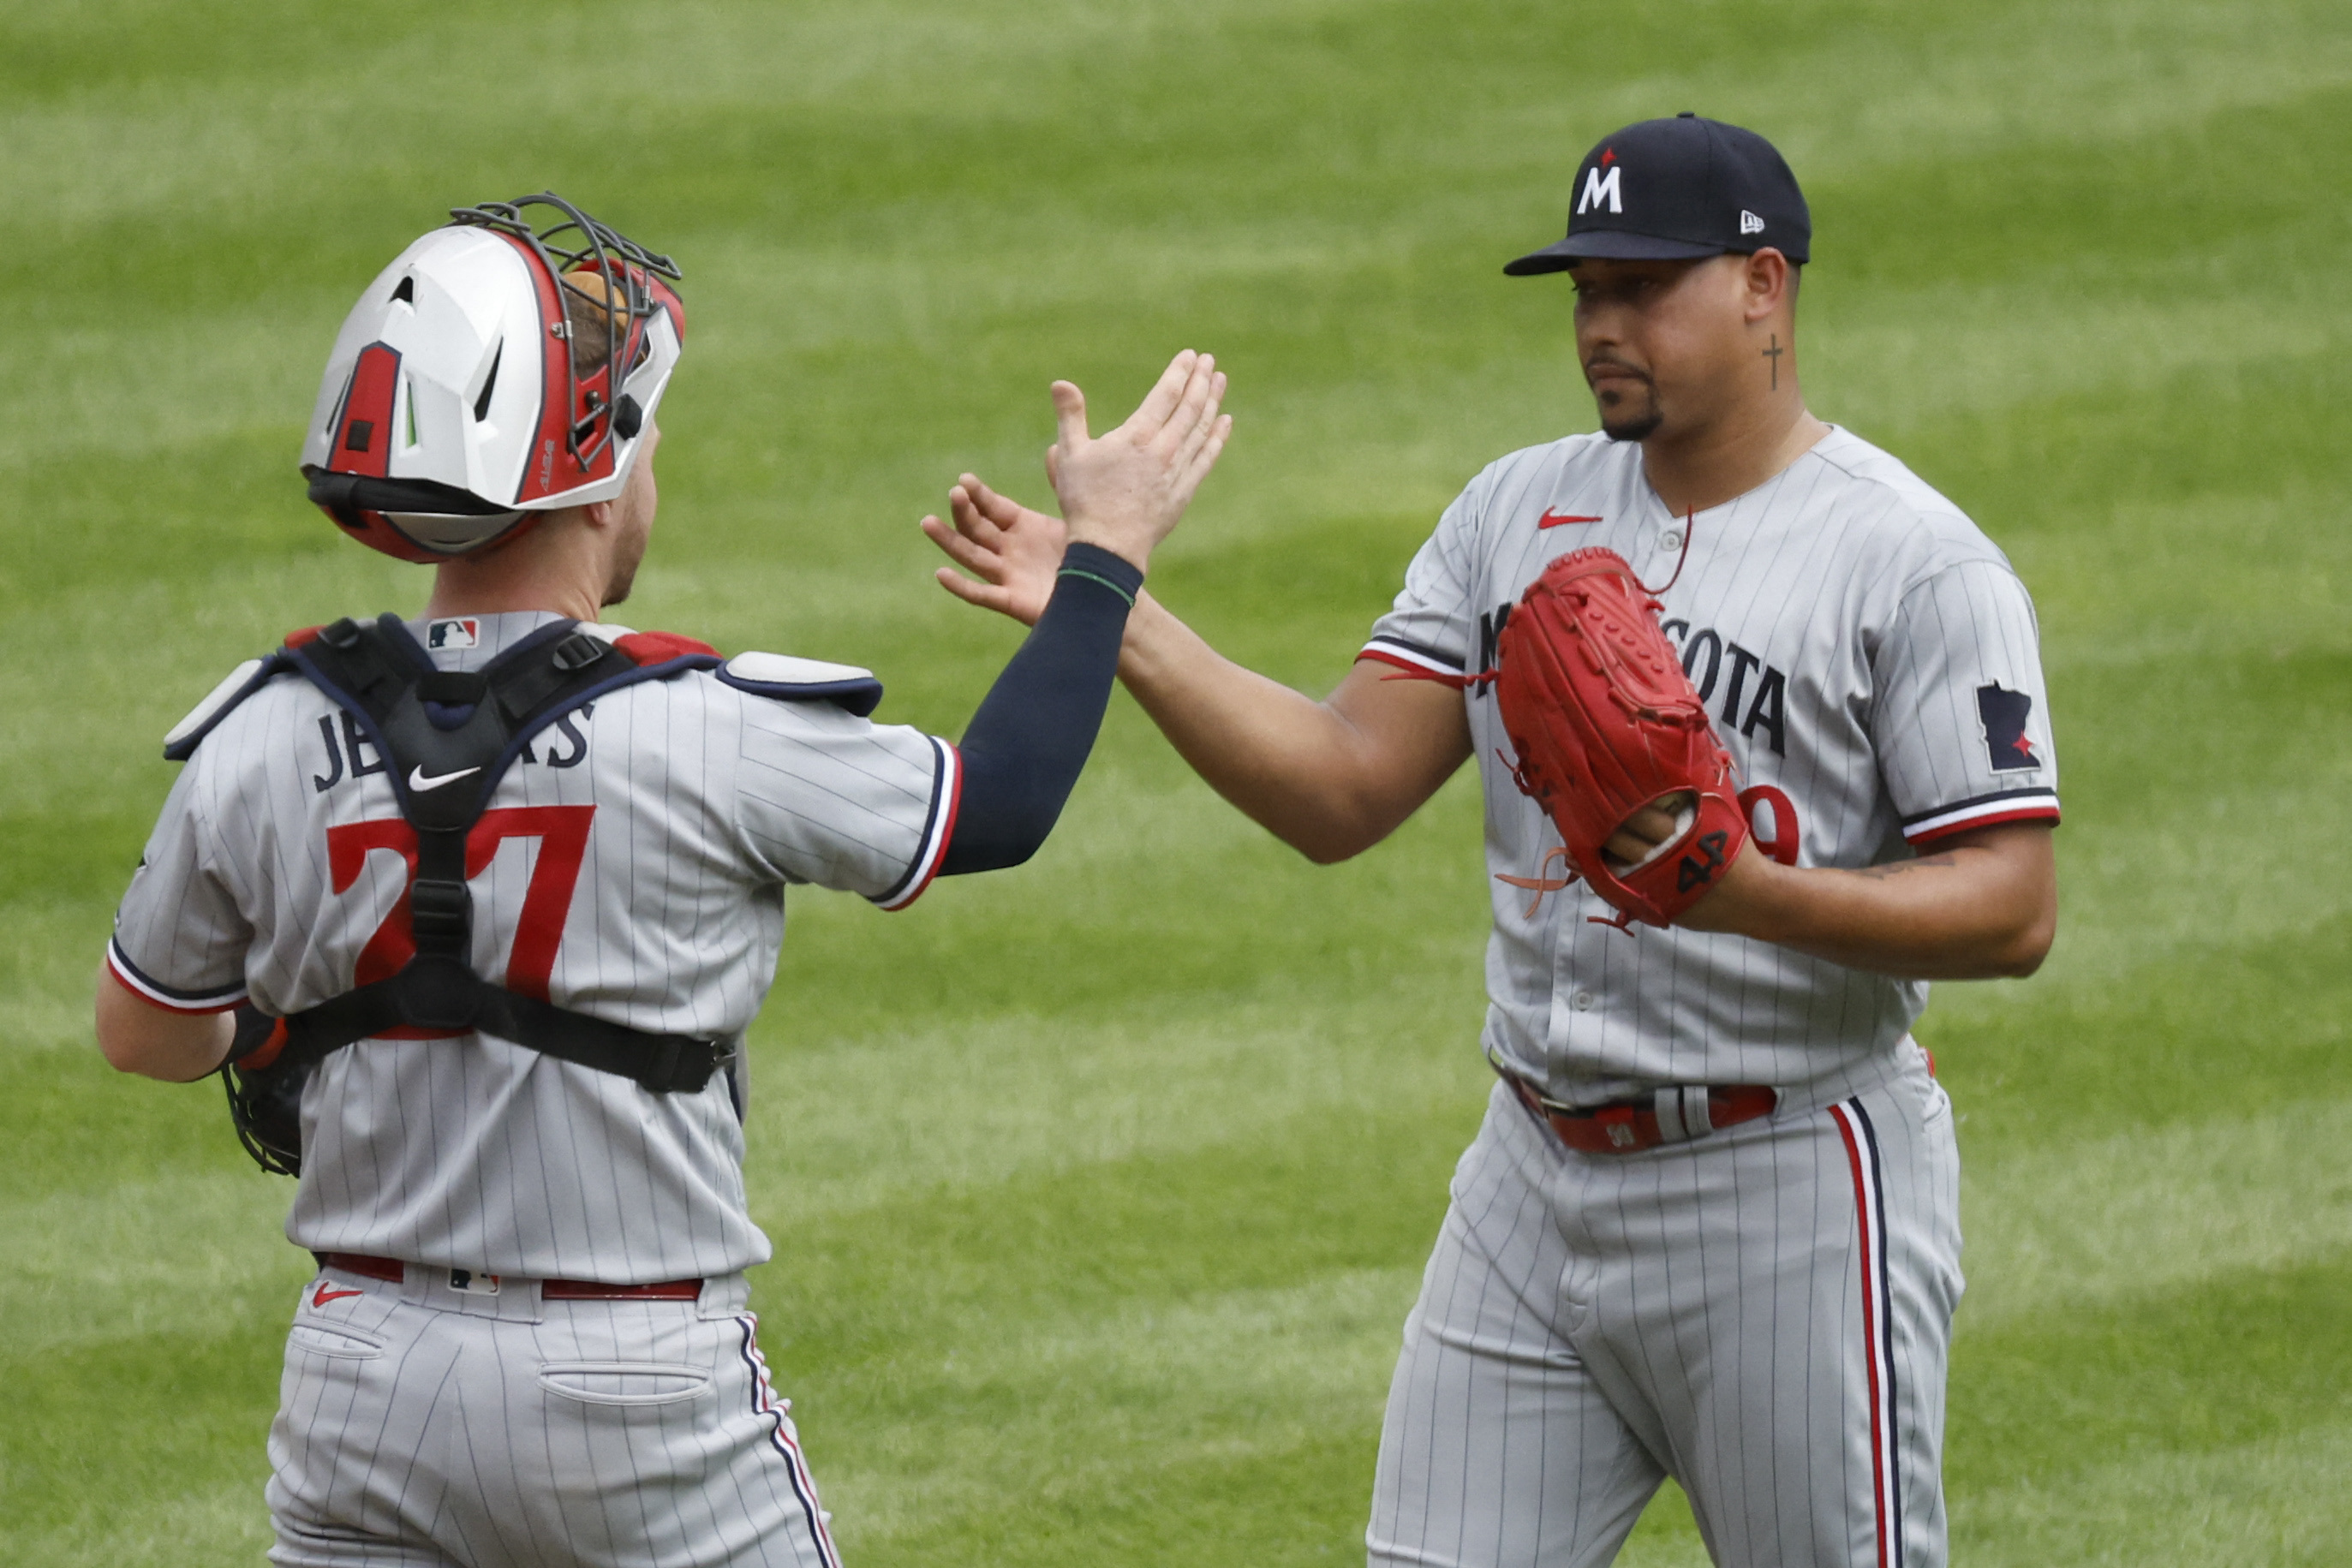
pixel 1025 746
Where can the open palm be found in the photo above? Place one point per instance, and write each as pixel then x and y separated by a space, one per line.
pixel 1122 491
pixel 1012 552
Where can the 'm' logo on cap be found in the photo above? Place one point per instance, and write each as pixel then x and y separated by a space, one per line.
pixel 1598 185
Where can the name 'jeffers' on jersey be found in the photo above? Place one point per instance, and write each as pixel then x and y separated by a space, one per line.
pixel 1871 661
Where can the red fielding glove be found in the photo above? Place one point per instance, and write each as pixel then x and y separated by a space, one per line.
pixel 1605 722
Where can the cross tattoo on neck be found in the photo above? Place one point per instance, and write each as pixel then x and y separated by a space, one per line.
pixel 1773 354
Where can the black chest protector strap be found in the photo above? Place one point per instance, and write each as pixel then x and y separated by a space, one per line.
pixel 447 737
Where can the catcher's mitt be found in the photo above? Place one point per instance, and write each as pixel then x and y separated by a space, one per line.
pixel 265 1095
pixel 1605 722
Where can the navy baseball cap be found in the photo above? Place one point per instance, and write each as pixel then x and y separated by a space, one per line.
pixel 1670 190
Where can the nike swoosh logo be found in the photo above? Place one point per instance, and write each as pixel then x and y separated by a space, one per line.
pixel 322 1295
pixel 419 779
pixel 1552 519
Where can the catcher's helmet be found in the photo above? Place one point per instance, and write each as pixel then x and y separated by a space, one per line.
pixel 492 373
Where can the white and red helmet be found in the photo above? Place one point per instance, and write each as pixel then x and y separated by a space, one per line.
pixel 493 372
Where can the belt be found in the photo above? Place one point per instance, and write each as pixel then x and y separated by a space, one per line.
pixel 1672 1115
pixel 392 1270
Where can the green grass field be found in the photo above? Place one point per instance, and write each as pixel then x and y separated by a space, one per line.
pixel 1100 1188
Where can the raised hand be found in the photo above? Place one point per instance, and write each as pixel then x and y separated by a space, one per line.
pixel 1123 490
pixel 1015 552
pixel 1150 465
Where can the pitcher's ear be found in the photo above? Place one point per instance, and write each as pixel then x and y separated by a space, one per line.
pixel 1771 282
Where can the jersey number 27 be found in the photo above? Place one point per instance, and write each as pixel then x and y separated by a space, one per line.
pixel 562 835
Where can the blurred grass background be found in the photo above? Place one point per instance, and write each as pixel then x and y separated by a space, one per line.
pixel 1100 1188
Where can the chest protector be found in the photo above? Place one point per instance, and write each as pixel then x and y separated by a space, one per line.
pixel 447 739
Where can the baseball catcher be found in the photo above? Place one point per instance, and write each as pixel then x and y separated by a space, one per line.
pixel 492 892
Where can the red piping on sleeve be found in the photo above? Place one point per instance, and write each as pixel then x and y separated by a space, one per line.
pixel 129 984
pixel 2023 814
pixel 947 827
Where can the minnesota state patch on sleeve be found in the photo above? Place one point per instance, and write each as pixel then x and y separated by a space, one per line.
pixel 2004 713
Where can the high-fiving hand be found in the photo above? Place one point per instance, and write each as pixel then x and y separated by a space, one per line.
pixel 1125 490
pixel 1122 491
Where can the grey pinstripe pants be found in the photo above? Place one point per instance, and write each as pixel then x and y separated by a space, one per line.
pixel 427 1428
pixel 1763 1314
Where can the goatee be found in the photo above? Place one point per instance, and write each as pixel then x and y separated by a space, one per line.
pixel 1626 413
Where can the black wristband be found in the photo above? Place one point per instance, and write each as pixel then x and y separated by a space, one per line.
pixel 1116 572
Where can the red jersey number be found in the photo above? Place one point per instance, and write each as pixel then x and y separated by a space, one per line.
pixel 1782 845
pixel 562 835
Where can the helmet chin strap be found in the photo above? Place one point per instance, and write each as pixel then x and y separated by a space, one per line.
pixel 410 509
pixel 341 493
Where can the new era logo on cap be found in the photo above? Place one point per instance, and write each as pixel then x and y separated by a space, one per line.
pixel 1679 190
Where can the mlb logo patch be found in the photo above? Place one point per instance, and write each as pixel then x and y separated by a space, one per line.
pixel 2003 714
pixel 473 1284
pixel 463 633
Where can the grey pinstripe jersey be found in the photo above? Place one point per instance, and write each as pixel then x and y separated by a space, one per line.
pixel 1872 662
pixel 631 865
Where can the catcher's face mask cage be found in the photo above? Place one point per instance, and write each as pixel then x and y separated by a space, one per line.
pixel 493 371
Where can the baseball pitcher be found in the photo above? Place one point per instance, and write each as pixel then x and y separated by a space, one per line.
pixel 1760 723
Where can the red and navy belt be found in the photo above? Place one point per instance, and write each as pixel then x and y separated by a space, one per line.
pixel 392 1270
pixel 1675 1114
